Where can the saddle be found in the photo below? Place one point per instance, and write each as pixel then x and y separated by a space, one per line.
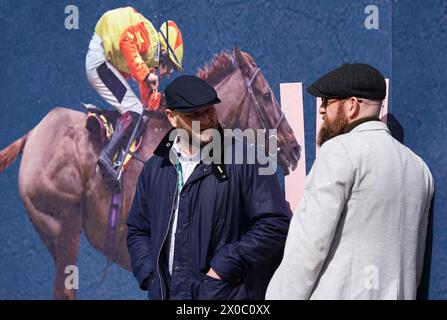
pixel 101 125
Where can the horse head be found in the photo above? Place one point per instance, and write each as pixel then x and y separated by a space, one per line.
pixel 249 102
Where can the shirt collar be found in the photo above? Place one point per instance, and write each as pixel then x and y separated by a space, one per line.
pixel 182 156
pixel 358 122
pixel 165 146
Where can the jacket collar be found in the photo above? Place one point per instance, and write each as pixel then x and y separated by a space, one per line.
pixel 367 124
pixel 218 169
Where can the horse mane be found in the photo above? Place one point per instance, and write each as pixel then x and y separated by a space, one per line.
pixel 220 66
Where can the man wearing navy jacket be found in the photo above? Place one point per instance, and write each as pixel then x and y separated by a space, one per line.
pixel 199 229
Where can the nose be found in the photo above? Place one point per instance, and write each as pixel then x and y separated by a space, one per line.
pixel 322 109
pixel 296 150
pixel 205 118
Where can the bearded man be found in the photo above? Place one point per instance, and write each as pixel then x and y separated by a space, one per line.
pixel 359 231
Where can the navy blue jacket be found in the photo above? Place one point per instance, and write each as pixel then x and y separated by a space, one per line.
pixel 230 218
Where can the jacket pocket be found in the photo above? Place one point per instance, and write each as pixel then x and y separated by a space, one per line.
pixel 215 289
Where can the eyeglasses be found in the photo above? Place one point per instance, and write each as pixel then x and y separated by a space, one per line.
pixel 325 102
pixel 166 61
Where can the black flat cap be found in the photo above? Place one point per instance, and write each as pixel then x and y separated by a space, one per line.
pixel 350 80
pixel 188 93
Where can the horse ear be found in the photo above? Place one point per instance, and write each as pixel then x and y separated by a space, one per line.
pixel 240 59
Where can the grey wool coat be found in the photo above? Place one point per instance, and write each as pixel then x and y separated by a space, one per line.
pixel 359 231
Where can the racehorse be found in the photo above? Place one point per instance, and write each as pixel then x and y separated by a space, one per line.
pixel 61 186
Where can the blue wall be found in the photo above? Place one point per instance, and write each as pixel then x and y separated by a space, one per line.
pixel 419 73
pixel 43 67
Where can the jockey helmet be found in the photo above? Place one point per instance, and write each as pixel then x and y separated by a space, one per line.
pixel 171 39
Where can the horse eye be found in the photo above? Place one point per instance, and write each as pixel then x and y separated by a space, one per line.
pixel 267 96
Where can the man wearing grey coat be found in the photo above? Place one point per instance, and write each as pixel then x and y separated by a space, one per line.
pixel 359 231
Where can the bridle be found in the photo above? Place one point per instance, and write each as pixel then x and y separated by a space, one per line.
pixel 248 84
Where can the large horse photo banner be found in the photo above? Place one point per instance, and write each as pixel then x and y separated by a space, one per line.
pixel 63 229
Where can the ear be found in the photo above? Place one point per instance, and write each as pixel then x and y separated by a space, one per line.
pixel 353 108
pixel 241 61
pixel 171 117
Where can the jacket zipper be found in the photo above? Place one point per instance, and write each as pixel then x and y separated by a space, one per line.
pixel 166 235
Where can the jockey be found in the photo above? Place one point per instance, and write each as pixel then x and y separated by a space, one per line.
pixel 126 45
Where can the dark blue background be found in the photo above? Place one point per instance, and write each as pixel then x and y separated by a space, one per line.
pixel 43 67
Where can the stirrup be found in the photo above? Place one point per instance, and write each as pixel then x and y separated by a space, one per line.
pixel 112 181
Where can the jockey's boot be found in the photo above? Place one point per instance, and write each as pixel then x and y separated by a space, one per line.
pixel 123 131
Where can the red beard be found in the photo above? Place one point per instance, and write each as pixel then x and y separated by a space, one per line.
pixel 333 128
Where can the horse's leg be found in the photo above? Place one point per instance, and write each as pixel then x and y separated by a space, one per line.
pixel 57 218
pixel 46 223
pixel 51 187
pixel 66 251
